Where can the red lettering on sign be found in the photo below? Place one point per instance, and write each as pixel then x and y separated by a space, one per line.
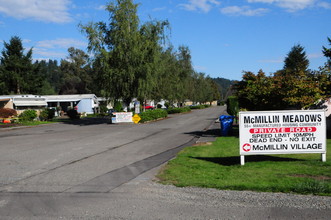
pixel 282 130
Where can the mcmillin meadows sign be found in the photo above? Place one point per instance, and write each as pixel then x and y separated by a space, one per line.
pixel 282 132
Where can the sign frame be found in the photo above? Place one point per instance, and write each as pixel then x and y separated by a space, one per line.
pixel 280 132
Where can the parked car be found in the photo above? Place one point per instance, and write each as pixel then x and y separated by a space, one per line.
pixel 148 107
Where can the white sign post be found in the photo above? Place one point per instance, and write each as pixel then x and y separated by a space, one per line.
pixel 282 132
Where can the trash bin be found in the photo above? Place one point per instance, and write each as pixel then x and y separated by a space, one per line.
pixel 226 122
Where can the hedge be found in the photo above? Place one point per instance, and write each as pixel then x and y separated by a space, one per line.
pixel 151 115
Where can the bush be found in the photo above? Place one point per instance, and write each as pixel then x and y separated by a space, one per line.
pixel 199 106
pixel 232 105
pixel 151 115
pixel 103 109
pixel 73 114
pixel 28 115
pixel 178 110
pixel 7 112
pixel 118 106
pixel 47 114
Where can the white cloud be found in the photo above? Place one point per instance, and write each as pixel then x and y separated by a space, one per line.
pixel 55 11
pixel 58 48
pixel 159 9
pixel 315 55
pixel 294 5
pixel 48 53
pixel 280 60
pixel 101 7
pixel 200 5
pixel 26 41
pixel 61 43
pixel 325 5
pixel 243 10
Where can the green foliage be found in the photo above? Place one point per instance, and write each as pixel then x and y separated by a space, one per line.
pixel 327 53
pixel 73 114
pixel 232 105
pixel 178 110
pixel 17 73
pixel 311 186
pixel 296 61
pixel 151 115
pixel 294 87
pixel 199 106
pixel 47 114
pixel 28 115
pixel 167 104
pixel 7 112
pixel 118 106
pixel 132 61
pixel 76 73
pixel 103 109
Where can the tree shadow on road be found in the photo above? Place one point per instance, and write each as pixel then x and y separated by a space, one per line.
pixel 86 121
pixel 206 133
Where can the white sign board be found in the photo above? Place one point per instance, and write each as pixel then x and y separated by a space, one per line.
pixel 122 117
pixel 282 132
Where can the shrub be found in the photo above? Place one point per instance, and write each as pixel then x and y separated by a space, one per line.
pixel 73 114
pixel 178 110
pixel 47 114
pixel 103 109
pixel 153 115
pixel 199 106
pixel 118 106
pixel 7 112
pixel 232 105
pixel 28 115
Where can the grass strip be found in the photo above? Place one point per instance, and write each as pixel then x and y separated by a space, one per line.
pixel 218 166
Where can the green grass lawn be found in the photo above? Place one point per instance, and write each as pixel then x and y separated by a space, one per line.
pixel 218 166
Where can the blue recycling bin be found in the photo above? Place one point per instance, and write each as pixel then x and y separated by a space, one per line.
pixel 226 122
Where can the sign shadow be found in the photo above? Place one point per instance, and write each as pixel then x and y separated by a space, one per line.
pixel 234 161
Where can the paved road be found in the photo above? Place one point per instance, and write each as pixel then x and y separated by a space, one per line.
pixel 95 170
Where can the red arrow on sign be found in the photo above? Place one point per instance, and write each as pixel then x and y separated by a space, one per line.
pixel 247 147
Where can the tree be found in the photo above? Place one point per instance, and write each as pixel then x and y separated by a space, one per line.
pixel 127 55
pixel 294 87
pixel 16 69
pixel 76 73
pixel 116 47
pixel 327 53
pixel 256 92
pixel 296 61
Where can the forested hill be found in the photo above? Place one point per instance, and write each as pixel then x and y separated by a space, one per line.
pixel 224 85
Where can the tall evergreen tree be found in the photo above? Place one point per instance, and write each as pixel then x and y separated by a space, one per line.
pixel 296 61
pixel 327 53
pixel 16 69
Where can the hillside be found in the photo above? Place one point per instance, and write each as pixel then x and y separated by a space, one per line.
pixel 224 85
